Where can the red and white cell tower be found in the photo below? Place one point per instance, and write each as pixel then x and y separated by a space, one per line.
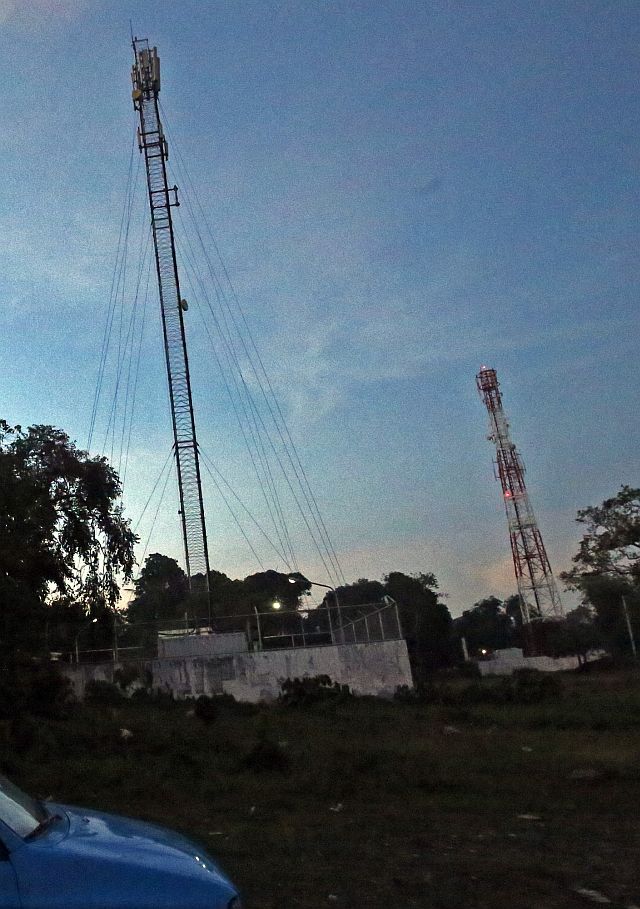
pixel 539 598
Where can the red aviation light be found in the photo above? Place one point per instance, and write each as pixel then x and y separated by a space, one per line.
pixel 530 562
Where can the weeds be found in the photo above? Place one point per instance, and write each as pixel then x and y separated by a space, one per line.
pixel 265 756
pixel 206 709
pixel 306 691
pixel 28 686
pixel 347 795
pixel 105 694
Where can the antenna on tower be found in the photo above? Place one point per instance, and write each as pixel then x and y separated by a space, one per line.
pixel 539 598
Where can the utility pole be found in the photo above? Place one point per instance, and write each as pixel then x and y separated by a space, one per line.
pixel 539 598
pixel 145 76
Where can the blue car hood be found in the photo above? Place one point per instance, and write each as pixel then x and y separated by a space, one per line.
pixel 91 860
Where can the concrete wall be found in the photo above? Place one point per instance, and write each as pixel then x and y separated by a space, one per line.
pixel 504 662
pixel 79 676
pixel 375 669
pixel 201 645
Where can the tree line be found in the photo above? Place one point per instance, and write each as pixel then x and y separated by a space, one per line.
pixel 66 551
pixel 161 599
pixel 606 575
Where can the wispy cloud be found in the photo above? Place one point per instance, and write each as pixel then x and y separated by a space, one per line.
pixel 32 14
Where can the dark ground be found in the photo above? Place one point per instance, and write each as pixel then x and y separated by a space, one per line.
pixel 373 804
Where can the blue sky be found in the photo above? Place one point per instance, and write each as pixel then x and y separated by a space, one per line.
pixel 401 192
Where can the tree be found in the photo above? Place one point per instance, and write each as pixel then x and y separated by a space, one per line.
pixel 513 608
pixel 607 565
pixel 160 592
pixel 226 594
pixel 160 602
pixel 426 621
pixel 575 635
pixel 261 590
pixel 611 544
pixel 486 626
pixel 62 531
pixel 357 594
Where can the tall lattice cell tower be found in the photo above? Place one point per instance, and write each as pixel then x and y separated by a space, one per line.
pixel 539 598
pixel 145 76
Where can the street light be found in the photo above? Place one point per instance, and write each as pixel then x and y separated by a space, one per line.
pixel 301 579
pixel 275 605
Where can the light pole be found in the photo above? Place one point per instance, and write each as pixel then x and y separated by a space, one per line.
pixel 301 578
pixel 79 632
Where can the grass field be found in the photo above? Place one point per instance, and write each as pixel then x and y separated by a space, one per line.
pixel 372 804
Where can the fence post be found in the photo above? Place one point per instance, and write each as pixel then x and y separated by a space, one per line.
pixel 398 620
pixel 330 625
pixel 629 629
pixel 115 637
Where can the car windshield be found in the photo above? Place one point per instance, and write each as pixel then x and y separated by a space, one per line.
pixel 18 810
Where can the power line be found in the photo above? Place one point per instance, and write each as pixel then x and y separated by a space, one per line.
pixel 106 338
pixel 322 543
pixel 233 515
pixel 211 466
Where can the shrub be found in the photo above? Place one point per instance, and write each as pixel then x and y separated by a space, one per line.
pixel 525 686
pixel 406 695
pixel 530 686
pixel 241 708
pixel 303 692
pixel 25 733
pixel 50 692
pixel 28 686
pixel 106 694
pixel 126 675
pixel 141 696
pixel 156 697
pixel 206 709
pixel 265 755
pixel 487 691
pixel 469 670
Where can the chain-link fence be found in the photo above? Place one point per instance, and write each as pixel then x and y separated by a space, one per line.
pixel 261 629
pixel 370 624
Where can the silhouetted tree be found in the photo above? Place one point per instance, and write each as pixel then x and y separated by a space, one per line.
pixel 607 565
pixel 486 626
pixel 161 590
pixel 426 621
pixel 575 635
pixel 63 535
pixel 611 544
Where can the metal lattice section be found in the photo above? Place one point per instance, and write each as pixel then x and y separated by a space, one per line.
pixel 539 598
pixel 151 140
